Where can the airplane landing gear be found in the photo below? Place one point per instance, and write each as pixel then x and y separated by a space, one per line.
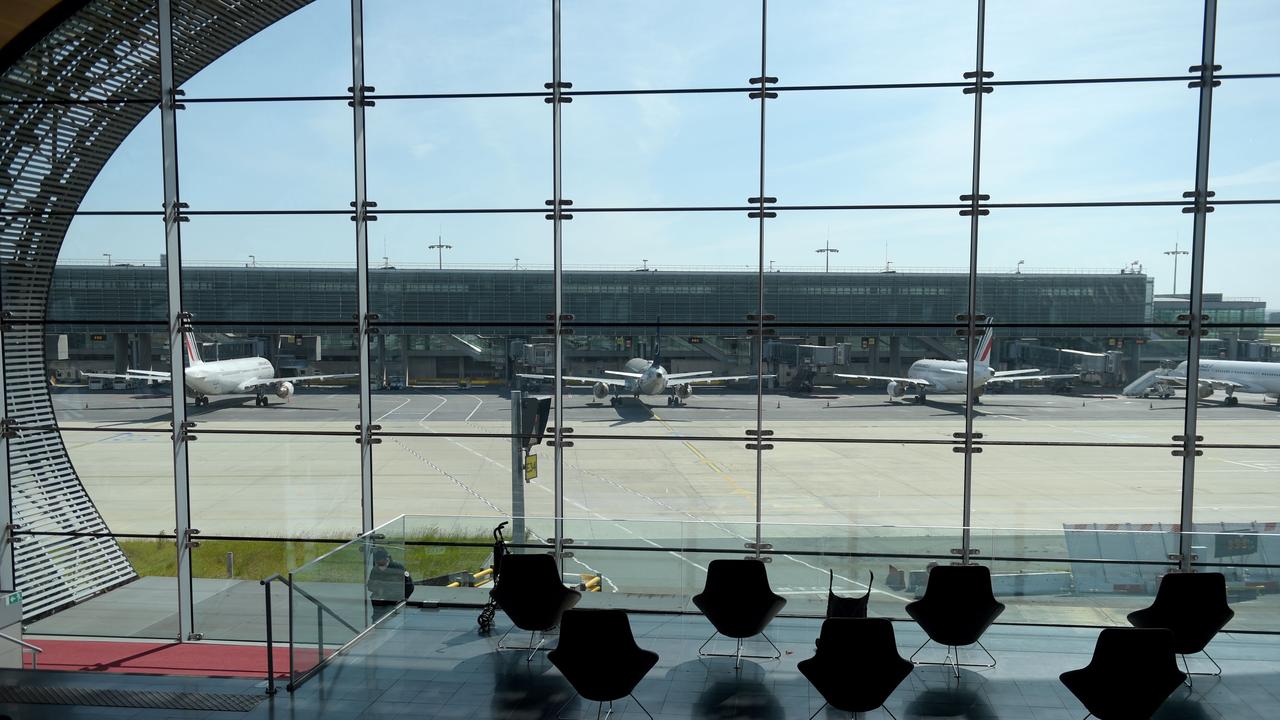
pixel 201 400
pixel 1232 400
pixel 615 401
pixel 920 399
pixel 260 401
pixel 673 401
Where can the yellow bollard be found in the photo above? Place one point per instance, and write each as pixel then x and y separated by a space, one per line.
pixel 455 583
pixel 484 573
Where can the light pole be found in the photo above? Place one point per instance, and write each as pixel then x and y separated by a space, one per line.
pixel 1018 270
pixel 440 247
pixel 108 257
pixel 645 262
pixel 253 261
pixel 1175 252
pixel 827 252
pixel 771 265
pixel 517 263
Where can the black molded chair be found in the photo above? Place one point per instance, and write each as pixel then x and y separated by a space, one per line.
pixel 857 665
pixel 1132 672
pixel 1194 607
pixel 530 592
pixel 957 608
pixel 599 657
pixel 738 602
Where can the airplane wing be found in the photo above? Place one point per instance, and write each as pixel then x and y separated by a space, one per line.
pixel 684 379
pixel 909 382
pixel 270 384
pixel 1007 373
pixel 1082 352
pixel 131 374
pixel 1032 378
pixel 682 376
pixel 1215 384
pixel 620 373
pixel 574 378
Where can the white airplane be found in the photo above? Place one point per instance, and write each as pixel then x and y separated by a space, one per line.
pixel 1229 376
pixel 239 376
pixel 948 376
pixel 646 377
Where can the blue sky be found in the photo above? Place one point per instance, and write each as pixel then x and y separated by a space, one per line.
pixel 1109 142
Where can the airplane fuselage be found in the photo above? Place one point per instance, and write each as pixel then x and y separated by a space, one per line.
pixel 652 380
pixel 1255 377
pixel 225 377
pixel 948 376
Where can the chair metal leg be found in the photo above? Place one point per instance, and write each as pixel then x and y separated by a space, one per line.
pixel 737 653
pixel 953 658
pixel 815 712
pixel 532 647
pixel 642 707
pixel 1217 667
pixel 560 712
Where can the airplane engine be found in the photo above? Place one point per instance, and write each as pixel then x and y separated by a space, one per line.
pixel 600 391
pixel 284 391
pixel 1205 391
pixel 684 391
pixel 896 390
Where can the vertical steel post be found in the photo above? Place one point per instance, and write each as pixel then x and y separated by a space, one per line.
pixel 966 533
pixel 358 90
pixel 558 260
pixel 517 468
pixel 758 346
pixel 178 320
pixel 1196 291
pixel 271 664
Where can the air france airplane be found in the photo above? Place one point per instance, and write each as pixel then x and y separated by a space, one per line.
pixel 239 376
pixel 646 377
pixel 949 376
pixel 1230 376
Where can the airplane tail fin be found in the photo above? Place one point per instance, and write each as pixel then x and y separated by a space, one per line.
pixel 982 352
pixel 193 351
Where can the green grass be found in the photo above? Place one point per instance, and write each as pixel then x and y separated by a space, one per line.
pixel 259 559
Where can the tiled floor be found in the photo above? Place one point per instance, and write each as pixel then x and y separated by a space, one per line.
pixel 433 664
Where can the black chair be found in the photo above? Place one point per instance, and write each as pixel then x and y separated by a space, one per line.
pixel 1194 607
pixel 857 665
pixel 1132 672
pixel 738 602
pixel 957 607
pixel 530 592
pixel 599 657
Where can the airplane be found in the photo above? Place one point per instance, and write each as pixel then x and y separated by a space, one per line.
pixel 948 376
pixel 647 377
pixel 1229 376
pixel 225 377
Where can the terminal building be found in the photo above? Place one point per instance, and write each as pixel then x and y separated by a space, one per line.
pixel 483 326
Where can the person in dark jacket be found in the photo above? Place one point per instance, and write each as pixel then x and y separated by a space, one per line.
pixel 389 583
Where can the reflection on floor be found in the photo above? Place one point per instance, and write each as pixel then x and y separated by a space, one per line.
pixel 433 664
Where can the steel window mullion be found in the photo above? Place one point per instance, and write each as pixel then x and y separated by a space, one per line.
pixel 1196 290
pixel 757 347
pixel 7 578
pixel 177 323
pixel 557 240
pixel 966 533
pixel 362 264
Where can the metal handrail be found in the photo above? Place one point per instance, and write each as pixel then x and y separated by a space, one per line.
pixel 35 651
pixel 321 609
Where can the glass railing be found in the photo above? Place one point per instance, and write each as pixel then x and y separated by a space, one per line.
pixel 1075 575
pixel 338 596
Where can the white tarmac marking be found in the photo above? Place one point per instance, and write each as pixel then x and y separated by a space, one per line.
pixel 443 400
pixel 479 402
pixel 392 410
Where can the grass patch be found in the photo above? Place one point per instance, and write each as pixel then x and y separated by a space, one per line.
pixel 259 559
